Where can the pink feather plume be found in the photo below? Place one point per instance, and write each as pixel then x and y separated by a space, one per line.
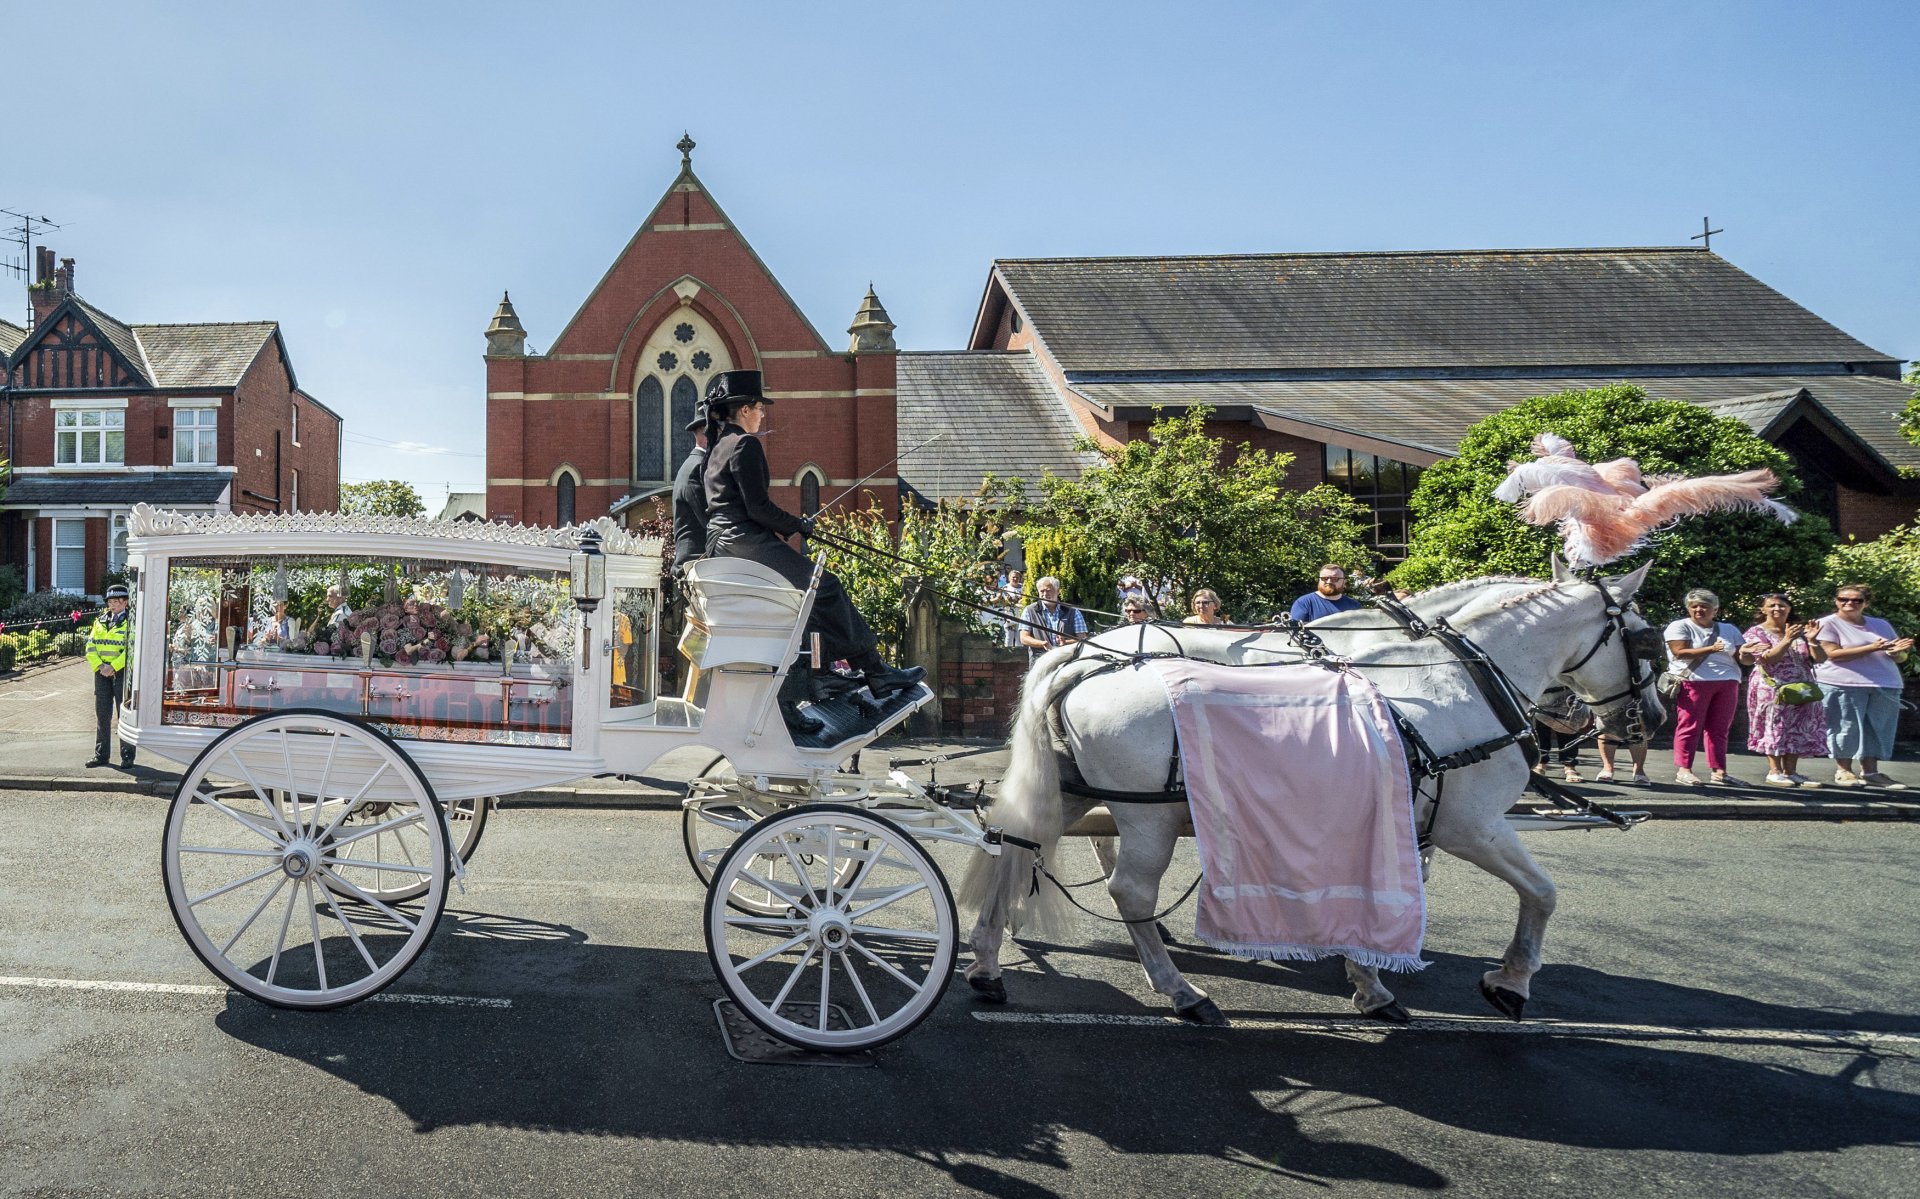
pixel 1606 512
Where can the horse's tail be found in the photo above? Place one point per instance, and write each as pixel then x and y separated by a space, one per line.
pixel 1002 887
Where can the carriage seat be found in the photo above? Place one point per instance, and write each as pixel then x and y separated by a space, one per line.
pixel 748 611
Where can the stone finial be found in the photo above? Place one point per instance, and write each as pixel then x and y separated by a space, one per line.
pixel 872 331
pixel 505 336
pixel 685 146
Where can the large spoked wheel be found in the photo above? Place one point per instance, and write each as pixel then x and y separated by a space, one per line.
pixel 404 846
pixel 262 858
pixel 721 810
pixel 854 960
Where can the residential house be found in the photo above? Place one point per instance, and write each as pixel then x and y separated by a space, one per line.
pixel 101 415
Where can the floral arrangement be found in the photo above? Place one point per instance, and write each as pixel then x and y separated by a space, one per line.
pixel 404 633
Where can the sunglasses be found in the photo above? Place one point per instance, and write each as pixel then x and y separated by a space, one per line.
pixel 1849 599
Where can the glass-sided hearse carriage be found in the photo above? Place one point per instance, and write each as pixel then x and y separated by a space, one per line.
pixel 349 693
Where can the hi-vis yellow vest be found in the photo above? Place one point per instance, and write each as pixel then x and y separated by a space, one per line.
pixel 107 644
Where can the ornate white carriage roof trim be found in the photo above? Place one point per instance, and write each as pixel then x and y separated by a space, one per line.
pixel 147 521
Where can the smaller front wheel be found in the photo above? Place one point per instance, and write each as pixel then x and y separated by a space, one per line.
pixel 865 946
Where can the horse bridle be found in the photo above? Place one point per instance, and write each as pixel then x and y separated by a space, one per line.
pixel 1642 647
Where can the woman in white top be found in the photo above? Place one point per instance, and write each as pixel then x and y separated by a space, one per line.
pixel 1860 686
pixel 1700 649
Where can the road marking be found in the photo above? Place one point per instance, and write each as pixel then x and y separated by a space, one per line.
pixel 1490 1024
pixel 101 984
pixel 26 696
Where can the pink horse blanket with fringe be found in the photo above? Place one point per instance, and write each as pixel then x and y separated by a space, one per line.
pixel 1303 810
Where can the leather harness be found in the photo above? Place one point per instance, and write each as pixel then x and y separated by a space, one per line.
pixel 1513 710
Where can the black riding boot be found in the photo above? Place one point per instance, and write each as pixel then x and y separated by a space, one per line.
pixel 882 679
pixel 793 689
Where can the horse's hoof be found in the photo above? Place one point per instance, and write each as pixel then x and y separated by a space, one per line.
pixel 1205 1013
pixel 1166 938
pixel 1510 1003
pixel 990 990
pixel 1391 1012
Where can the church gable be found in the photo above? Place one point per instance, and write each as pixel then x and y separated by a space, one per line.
pixel 78 346
pixel 687 236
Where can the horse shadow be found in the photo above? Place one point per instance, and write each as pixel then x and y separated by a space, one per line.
pixel 622 1041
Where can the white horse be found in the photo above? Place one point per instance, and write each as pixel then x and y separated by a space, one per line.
pixel 1121 736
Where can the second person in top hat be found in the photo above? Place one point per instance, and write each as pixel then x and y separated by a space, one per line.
pixel 744 522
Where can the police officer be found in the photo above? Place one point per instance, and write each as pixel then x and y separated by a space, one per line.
pixel 690 496
pixel 744 522
pixel 107 660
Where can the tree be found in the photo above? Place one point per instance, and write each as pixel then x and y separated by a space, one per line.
pixel 1461 531
pixel 1890 565
pixel 1183 511
pixel 381 497
pixel 953 549
pixel 1910 415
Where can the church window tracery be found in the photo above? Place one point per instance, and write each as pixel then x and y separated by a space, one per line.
pixel 666 391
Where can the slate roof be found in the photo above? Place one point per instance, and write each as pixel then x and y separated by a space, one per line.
pixel 212 354
pixel 119 334
pixel 999 411
pixel 1433 414
pixel 1459 309
pixel 202 355
pixel 162 489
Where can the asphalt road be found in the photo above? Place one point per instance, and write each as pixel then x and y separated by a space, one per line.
pixel 1714 952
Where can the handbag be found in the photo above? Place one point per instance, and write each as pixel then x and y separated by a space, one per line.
pixel 1793 695
pixel 1668 684
pixel 1789 695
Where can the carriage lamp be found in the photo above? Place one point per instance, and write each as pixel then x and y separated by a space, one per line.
pixel 589 588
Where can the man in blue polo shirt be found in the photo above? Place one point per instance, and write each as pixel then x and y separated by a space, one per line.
pixel 1328 596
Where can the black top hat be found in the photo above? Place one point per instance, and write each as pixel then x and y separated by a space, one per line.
pixel 699 420
pixel 734 387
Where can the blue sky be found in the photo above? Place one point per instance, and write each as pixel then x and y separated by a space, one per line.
pixel 373 175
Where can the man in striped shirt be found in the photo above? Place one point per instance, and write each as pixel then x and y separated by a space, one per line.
pixel 1058 623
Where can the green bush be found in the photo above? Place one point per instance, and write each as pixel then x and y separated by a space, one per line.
pixel 7 652
pixel 47 605
pixel 34 645
pixel 1086 580
pixel 1890 565
pixel 69 645
pixel 12 588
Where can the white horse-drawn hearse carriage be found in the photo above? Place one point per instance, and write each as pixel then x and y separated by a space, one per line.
pixel 349 694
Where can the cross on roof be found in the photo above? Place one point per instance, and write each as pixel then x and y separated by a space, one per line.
pixel 685 146
pixel 1705 236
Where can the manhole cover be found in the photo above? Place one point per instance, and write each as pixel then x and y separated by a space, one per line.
pixel 748 1042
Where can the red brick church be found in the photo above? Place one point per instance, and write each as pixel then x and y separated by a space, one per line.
pixel 596 424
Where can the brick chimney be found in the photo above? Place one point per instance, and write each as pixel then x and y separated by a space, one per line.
pixel 50 285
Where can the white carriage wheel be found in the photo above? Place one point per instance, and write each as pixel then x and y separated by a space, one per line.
pixel 710 827
pixel 849 965
pixel 258 874
pixel 404 847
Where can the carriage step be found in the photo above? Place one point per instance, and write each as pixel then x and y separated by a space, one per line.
pixel 748 1042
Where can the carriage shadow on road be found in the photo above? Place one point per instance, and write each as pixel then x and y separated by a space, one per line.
pixel 621 1041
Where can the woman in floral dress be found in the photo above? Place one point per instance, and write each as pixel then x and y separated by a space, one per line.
pixel 1782 651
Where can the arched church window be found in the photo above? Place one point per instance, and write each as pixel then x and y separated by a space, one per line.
pixel 649 431
pixel 673 366
pixel 563 499
pixel 809 493
pixel 686 396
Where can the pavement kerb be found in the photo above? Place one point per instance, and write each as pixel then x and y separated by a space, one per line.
pixel 666 796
